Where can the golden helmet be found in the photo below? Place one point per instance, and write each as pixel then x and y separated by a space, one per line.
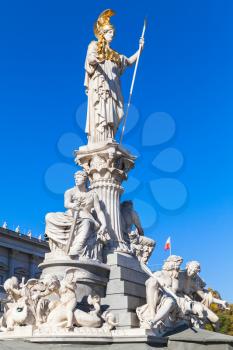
pixel 103 23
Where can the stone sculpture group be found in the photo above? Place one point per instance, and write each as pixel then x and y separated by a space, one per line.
pixel 176 297
pixel 50 304
pixel 96 225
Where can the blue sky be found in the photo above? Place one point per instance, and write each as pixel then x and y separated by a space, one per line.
pixel 185 76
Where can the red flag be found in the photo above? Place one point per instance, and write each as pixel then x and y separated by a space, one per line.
pixel 168 244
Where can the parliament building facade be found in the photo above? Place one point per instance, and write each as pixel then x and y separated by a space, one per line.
pixel 20 256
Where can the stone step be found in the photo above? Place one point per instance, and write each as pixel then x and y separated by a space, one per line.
pixel 125 288
pixel 126 319
pixel 124 260
pixel 124 273
pixel 122 302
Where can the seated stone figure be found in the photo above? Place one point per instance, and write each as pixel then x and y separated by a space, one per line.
pixel 176 297
pixel 160 303
pixel 82 226
pixel 140 245
pixel 193 287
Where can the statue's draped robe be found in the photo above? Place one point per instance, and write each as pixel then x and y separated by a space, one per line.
pixel 105 101
pixel 58 227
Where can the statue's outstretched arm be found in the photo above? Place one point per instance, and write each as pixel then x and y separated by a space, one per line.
pixel 201 293
pixel 132 59
pixel 208 299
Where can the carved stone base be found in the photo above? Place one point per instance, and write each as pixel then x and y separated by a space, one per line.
pixel 139 339
pixel 126 289
pixel 93 274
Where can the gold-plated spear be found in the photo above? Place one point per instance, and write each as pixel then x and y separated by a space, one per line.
pixel 133 80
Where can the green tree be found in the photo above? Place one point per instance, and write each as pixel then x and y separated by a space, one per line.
pixel 225 316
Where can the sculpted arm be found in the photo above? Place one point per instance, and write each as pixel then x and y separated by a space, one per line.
pixel 153 294
pixel 68 202
pixel 92 54
pixel 208 298
pixel 132 59
pixel 17 292
pixel 92 59
pixel 137 223
pixel 201 293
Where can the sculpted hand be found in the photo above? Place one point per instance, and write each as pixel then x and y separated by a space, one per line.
pixel 225 305
pixel 142 43
pixel 102 229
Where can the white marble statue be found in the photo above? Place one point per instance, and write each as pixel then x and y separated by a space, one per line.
pixel 63 310
pixel 12 287
pixel 159 303
pixel 104 67
pixel 42 289
pixel 141 246
pixel 82 226
pixel 17 310
pixel 193 287
pixel 50 305
pixel 177 297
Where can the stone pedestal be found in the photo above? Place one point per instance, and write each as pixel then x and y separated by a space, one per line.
pixel 107 165
pixel 139 339
pixel 199 339
pixel 126 289
pixel 93 274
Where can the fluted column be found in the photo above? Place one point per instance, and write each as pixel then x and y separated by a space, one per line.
pixel 109 195
pixel 107 167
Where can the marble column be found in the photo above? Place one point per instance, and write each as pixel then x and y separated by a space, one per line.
pixel 107 166
pixel 109 194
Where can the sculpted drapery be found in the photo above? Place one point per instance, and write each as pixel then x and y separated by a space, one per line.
pixel 105 101
pixel 89 224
